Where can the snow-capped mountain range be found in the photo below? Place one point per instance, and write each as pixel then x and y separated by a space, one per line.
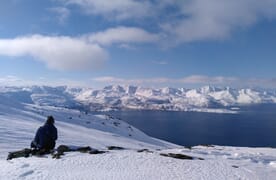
pixel 115 97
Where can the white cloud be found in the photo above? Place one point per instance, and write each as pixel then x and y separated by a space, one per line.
pixel 194 79
pixel 10 80
pixel 216 19
pixel 186 20
pixel 74 53
pixel 114 80
pixel 123 35
pixel 62 13
pixel 115 9
pixel 57 52
pixel 199 79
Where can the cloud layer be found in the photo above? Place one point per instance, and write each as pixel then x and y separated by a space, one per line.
pixel 74 53
pixel 189 81
pixel 175 22
pixel 123 34
pixel 57 52
pixel 217 19
pixel 118 9
pixel 186 20
pixel 198 80
pixel 62 14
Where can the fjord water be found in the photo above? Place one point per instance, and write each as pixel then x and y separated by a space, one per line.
pixel 253 126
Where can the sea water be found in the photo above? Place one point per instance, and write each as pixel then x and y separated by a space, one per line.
pixel 252 126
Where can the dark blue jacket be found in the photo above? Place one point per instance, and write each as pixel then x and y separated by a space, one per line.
pixel 46 137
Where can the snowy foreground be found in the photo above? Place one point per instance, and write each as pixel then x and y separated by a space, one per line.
pixel 220 163
pixel 18 123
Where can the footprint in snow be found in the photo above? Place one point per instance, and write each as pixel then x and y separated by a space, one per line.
pixel 26 173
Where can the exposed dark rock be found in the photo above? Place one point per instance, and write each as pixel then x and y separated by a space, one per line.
pixel 27 153
pixel 116 124
pixel 188 147
pixel 63 148
pixel 56 155
pixel 144 150
pixel 114 148
pixel 60 151
pixel 207 145
pixel 234 166
pixel 130 128
pixel 84 149
pixel 177 156
pixel 96 151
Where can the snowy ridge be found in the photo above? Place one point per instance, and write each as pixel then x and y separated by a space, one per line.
pixel 207 99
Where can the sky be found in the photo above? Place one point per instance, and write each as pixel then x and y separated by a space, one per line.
pixel 157 43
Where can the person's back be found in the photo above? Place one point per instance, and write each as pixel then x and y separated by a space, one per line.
pixel 46 136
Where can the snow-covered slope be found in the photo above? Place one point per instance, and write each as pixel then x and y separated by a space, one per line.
pixel 210 99
pixel 75 127
pixel 19 121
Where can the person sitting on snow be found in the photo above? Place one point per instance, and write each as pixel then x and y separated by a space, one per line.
pixel 46 136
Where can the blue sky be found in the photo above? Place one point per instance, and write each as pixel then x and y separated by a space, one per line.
pixel 147 42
